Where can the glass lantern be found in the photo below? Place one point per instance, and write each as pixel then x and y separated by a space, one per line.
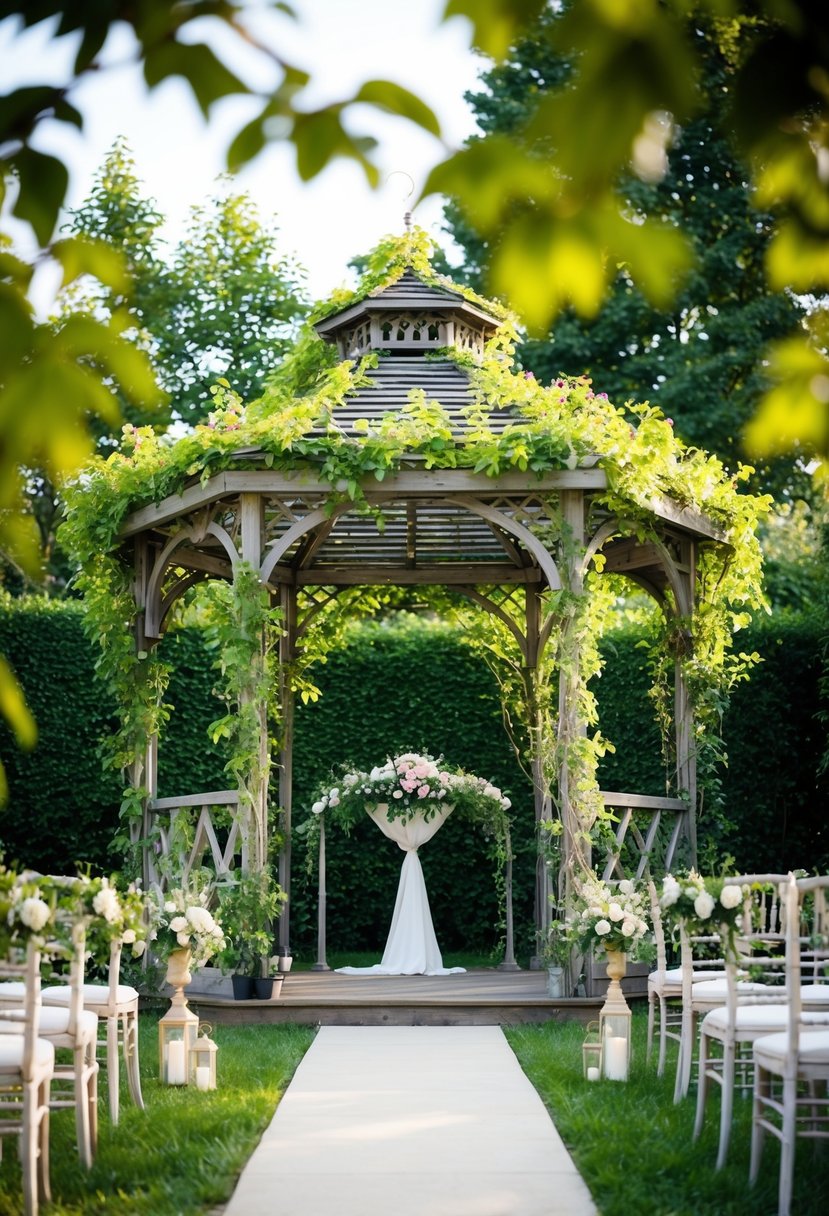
pixel 615 1023
pixel 204 1060
pixel 591 1053
pixel 177 1032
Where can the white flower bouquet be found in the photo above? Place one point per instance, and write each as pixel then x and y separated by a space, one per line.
pixel 607 918
pixel 181 920
pixel 408 783
pixel 706 905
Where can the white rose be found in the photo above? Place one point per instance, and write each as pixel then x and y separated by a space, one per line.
pixel 625 887
pixel 106 904
pixel 704 905
pixel 179 924
pixel 731 896
pixel 318 808
pixel 128 937
pixel 628 927
pixel 506 804
pixel 615 912
pixel 169 906
pixel 183 939
pixel 34 913
pixel 397 794
pixel 602 927
pixel 670 891
pixel 200 919
pixel 138 949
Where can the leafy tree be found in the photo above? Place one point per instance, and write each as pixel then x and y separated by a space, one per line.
pixel 223 305
pixel 702 359
pixel 54 378
pixel 559 229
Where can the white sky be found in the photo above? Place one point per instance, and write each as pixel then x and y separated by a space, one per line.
pixel 178 157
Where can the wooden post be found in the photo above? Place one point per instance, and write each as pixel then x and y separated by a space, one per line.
pixel 509 963
pixel 287 648
pixel 321 964
pixel 541 794
pixel 254 818
pixel 686 756
pixel 575 851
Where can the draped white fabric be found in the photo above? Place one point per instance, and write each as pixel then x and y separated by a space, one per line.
pixel 411 948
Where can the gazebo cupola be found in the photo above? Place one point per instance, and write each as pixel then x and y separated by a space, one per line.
pixel 409 317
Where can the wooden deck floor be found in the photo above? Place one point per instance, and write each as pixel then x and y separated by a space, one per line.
pixel 474 998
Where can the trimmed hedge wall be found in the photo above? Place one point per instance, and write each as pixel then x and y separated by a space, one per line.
pixel 406 686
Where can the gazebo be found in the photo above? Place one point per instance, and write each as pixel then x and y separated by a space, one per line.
pixel 413 453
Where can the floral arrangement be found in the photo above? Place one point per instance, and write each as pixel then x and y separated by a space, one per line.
pixel 610 918
pixel 705 905
pixel 181 920
pixel 408 784
pixel 27 908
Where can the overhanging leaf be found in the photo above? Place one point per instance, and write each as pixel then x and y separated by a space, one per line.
pixel 386 95
pixel 496 24
pixel 43 182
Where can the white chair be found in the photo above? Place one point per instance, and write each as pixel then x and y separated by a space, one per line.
pixel 116 1004
pixel 702 996
pixel 665 987
pixel 789 1064
pixel 751 1009
pixel 26 1065
pixel 75 1084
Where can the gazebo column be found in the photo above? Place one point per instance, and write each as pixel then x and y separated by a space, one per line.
pixel 254 806
pixel 575 851
pixel 287 652
pixel 541 789
pixel 144 769
pixel 686 752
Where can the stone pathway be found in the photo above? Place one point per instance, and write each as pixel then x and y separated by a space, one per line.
pixel 410 1121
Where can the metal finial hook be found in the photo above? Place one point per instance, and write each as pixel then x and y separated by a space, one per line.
pixel 407 215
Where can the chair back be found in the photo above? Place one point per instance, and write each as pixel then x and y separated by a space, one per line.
pixel 25 969
pixel 807 954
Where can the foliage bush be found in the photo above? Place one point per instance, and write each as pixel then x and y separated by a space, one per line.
pixel 408 685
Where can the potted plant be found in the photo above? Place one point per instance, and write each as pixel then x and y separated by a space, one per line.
pixel 555 955
pixel 249 906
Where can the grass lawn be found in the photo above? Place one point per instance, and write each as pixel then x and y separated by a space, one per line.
pixel 181 1156
pixel 634 1148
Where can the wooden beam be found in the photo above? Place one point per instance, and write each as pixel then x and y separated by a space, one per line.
pixel 399 576
pixel 410 481
pixel 644 802
pixel 213 798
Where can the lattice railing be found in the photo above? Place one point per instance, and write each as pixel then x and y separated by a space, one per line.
pixel 649 838
pixel 217 841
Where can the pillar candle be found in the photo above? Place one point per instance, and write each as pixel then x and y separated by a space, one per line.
pixel 615 1057
pixel 176 1073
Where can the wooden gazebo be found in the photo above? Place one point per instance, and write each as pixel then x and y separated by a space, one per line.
pixel 485 537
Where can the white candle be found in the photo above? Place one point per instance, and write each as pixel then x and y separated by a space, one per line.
pixel 592 1074
pixel 615 1057
pixel 176 1073
pixel 202 1077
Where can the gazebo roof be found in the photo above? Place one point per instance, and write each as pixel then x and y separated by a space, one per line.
pixel 418 523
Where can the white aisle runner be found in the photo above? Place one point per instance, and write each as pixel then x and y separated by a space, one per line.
pixel 410 1121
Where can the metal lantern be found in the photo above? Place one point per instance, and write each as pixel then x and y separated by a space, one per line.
pixel 177 1032
pixel 591 1053
pixel 178 1028
pixel 204 1059
pixel 615 1023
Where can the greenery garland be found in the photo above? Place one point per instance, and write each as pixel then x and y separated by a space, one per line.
pixel 562 425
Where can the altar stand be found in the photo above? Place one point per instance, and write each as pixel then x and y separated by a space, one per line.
pixel 411 947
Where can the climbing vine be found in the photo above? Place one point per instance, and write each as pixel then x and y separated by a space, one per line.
pixel 562 425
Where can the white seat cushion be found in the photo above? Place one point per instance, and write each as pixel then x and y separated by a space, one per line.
pixel 771 1049
pixel 55 1020
pixel 673 977
pixel 11 1052
pixel 717 990
pixel 815 994
pixel 749 1018
pixel 93 994
pixel 12 991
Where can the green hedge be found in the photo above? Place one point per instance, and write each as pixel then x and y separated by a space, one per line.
pixel 406 686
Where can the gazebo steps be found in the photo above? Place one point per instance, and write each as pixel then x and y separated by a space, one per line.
pixel 473 998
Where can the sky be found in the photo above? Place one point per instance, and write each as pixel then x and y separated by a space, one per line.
pixel 178 156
